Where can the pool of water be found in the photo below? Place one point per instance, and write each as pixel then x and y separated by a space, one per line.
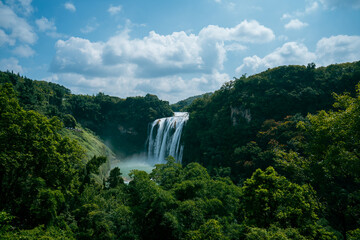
pixel 134 162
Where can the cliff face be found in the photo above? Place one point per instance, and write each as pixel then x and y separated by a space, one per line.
pixel 239 112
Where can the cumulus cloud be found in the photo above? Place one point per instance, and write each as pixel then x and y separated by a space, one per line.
pixel 48 26
pixel 77 55
pixel 335 49
pixel 341 48
pixel 156 55
pixel 295 24
pixel 24 51
pixel 21 6
pixel 69 6
pixel 11 64
pixel 13 27
pixel 113 10
pixel 6 39
pixel 44 24
pixel 290 53
pixel 164 64
pixel 246 31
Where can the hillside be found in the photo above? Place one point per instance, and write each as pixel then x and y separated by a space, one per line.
pixel 271 172
pixel 225 122
pixel 92 145
pixel 121 123
pixel 183 104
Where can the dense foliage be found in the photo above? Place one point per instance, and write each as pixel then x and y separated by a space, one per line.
pixel 260 121
pixel 224 125
pixel 181 106
pixel 270 173
pixel 122 123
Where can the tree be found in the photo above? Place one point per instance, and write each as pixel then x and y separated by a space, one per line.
pixel 69 121
pixel 36 163
pixel 152 207
pixel 166 175
pixel 268 198
pixel 332 149
pixel 115 178
pixel 211 230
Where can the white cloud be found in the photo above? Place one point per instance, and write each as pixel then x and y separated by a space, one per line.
pixel 171 88
pixel 314 6
pixel 14 28
pixel 235 47
pixel 69 6
pixel 227 4
pixel 246 31
pixel 44 24
pixel 6 39
pixel 311 7
pixel 157 55
pixel 332 4
pixel 286 16
pixel 283 38
pixel 77 55
pixel 11 64
pixel 289 54
pixel 295 24
pixel 24 51
pixel 161 64
pixel 113 10
pixel 21 6
pixel 335 49
pixel 89 28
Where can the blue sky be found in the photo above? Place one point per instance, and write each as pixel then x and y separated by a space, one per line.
pixel 174 49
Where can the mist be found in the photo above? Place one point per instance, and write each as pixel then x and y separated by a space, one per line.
pixel 136 161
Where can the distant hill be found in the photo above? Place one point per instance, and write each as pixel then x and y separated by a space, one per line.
pixel 181 105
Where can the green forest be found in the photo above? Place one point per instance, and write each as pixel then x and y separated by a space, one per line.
pixel 274 155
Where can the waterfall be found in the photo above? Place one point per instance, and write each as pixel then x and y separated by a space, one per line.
pixel 164 138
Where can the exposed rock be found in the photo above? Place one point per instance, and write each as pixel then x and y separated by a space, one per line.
pixel 239 112
pixel 130 131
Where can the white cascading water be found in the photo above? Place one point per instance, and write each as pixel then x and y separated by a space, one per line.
pixel 164 138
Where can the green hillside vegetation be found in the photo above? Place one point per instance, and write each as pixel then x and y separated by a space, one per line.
pixel 284 171
pixel 262 120
pixel 122 123
pixel 183 104
pixel 222 125
pixel 92 145
pixel 47 98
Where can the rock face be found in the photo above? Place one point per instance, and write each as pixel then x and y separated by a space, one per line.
pixel 239 112
pixel 129 131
